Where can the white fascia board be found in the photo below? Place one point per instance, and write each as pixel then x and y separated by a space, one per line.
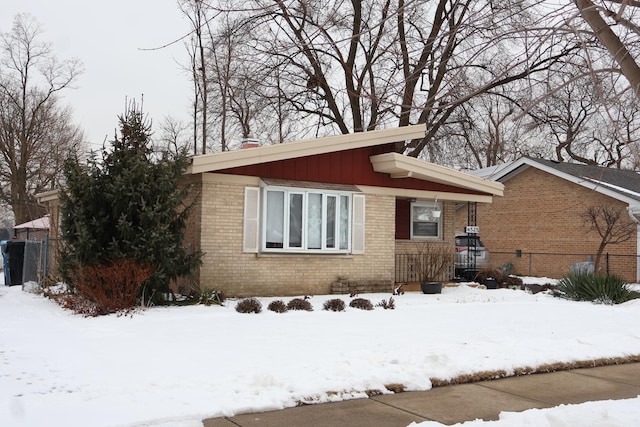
pixel 291 150
pixel 399 166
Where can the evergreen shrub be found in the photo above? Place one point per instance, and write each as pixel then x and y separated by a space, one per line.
pixel 129 203
pixel 210 297
pixel 598 288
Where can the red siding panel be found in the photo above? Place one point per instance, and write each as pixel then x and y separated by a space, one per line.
pixel 403 219
pixel 342 167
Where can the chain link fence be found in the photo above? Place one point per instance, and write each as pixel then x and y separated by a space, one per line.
pixel 538 264
pixel 556 265
pixel 35 261
pixel 26 262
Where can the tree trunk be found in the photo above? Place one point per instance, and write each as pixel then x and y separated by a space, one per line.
pixel 596 264
pixel 611 42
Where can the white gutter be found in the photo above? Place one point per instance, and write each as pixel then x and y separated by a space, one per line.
pixel 633 211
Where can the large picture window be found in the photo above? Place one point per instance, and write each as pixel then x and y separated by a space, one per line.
pixel 306 220
pixel 425 220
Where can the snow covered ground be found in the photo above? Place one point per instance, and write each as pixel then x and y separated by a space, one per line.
pixel 608 413
pixel 174 366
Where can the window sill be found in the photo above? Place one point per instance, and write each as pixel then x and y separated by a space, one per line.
pixel 422 239
pixel 302 255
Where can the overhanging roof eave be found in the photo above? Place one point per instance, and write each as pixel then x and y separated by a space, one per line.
pixel 399 166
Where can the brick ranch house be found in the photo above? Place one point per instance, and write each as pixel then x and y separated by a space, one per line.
pixel 316 217
pixel 321 216
pixel 538 225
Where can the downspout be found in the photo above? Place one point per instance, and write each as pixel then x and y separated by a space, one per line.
pixel 633 211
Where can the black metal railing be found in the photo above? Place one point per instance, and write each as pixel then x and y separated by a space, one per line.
pixel 407 269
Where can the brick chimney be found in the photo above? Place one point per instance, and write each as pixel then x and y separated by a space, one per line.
pixel 249 143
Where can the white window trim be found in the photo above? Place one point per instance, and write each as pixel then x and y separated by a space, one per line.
pixel 305 193
pixel 433 205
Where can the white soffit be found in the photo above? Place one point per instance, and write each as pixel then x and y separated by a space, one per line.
pixel 291 150
pixel 399 166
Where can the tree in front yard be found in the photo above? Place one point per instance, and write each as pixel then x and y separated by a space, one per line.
pixel 127 206
pixel 612 225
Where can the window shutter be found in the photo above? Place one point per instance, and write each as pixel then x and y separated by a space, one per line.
pixel 357 241
pixel 251 228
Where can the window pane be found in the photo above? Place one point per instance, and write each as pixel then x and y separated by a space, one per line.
pixel 314 221
pixel 425 223
pixel 331 222
pixel 295 220
pixel 275 219
pixel 425 229
pixel 344 222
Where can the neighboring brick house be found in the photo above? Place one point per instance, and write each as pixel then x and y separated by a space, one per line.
pixel 321 216
pixel 538 225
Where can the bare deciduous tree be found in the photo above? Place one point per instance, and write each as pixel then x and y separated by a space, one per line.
pixel 472 71
pixel 486 131
pixel 197 12
pixel 36 132
pixel 361 65
pixel 173 137
pixel 612 225
pixel 594 16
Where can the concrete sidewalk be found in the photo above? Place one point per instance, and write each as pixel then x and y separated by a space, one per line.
pixel 457 403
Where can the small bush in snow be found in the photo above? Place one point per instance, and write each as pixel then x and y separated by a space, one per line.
pixel 108 288
pixel 278 306
pixel 249 305
pixel 387 305
pixel 335 304
pixel 600 288
pixel 361 303
pixel 210 296
pixel 487 273
pixel 513 282
pixel 299 304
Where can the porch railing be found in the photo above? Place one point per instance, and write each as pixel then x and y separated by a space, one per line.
pixel 406 269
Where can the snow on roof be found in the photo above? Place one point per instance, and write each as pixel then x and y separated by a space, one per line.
pixel 36 224
pixel 489 171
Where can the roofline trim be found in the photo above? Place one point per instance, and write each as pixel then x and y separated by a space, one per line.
pixel 399 166
pixel 271 153
pixel 601 187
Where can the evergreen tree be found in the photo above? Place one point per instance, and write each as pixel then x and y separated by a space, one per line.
pixel 129 205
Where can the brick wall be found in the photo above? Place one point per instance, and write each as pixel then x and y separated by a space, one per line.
pixel 226 268
pixel 540 216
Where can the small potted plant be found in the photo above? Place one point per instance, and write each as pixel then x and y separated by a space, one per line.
pixel 434 261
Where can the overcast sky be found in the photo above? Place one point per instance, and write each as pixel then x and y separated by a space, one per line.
pixel 107 37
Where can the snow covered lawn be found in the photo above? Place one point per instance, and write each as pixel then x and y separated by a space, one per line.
pixel 178 365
